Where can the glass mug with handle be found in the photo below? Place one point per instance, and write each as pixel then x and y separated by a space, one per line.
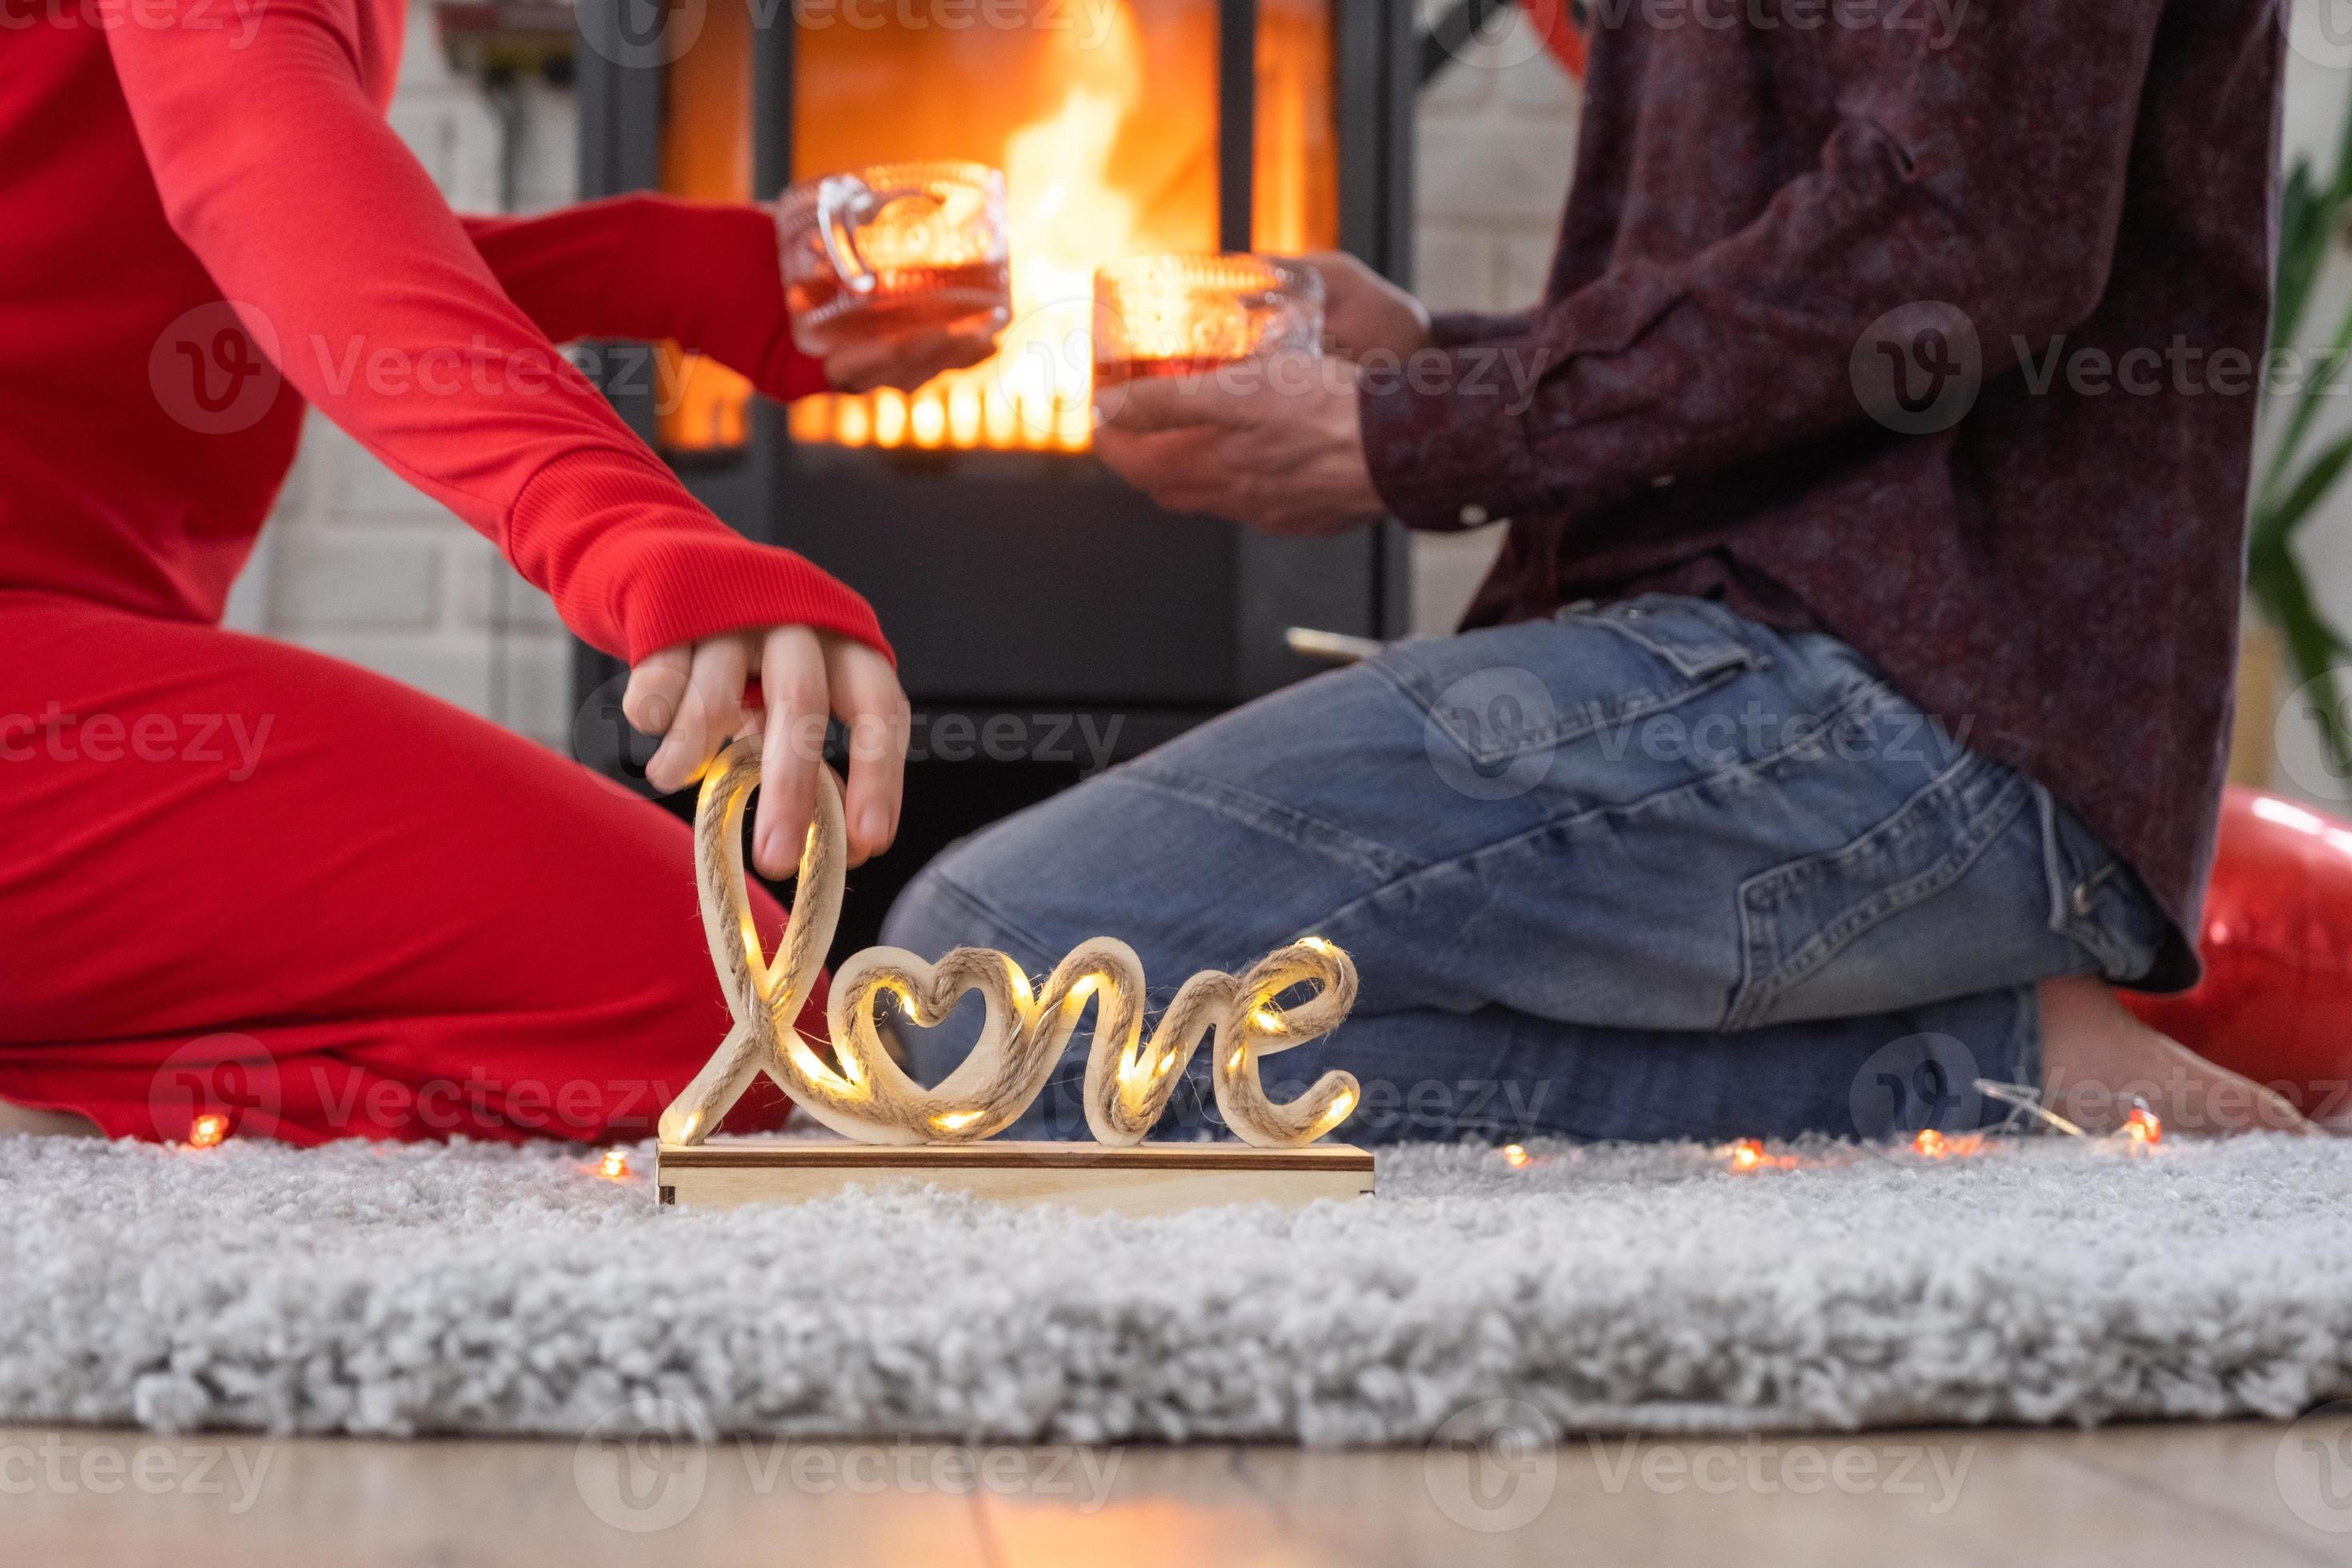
pixel 894 248
pixel 1185 315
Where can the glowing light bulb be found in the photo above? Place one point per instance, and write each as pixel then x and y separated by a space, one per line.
pixel 207 1130
pixel 1515 1155
pixel 2143 1126
pixel 1747 1154
pixel 954 1121
pixel 1269 1020
pixel 1929 1143
pixel 614 1165
pixel 1317 944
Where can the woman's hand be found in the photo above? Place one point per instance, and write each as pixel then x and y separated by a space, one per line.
pixel 907 360
pixel 1364 313
pixel 692 696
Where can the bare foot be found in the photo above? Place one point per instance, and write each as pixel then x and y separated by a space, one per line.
pixel 46 1123
pixel 2098 1061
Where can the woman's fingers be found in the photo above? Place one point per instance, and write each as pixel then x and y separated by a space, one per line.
pixel 866 697
pixel 792 683
pixel 706 717
pixel 907 362
pixel 656 687
pixel 693 698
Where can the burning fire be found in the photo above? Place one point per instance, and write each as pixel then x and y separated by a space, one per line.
pixel 1064 218
pixel 1069 210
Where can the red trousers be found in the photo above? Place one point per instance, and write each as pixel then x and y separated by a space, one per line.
pixel 242 880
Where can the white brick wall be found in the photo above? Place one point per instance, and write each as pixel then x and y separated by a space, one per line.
pixel 356 563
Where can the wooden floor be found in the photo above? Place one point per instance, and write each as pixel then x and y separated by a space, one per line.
pixel 2240 1495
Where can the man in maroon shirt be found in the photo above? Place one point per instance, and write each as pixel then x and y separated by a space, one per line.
pixel 1890 373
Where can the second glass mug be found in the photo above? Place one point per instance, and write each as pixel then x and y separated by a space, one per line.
pixel 893 249
pixel 1183 315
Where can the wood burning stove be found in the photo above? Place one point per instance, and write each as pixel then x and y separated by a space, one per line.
pixel 1123 126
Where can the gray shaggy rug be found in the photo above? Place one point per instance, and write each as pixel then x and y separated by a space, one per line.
pixel 472 1289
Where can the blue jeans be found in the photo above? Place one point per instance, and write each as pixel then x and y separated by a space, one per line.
pixel 1645 871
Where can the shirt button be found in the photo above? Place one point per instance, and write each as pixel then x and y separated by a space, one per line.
pixel 1472 515
pixel 2082 897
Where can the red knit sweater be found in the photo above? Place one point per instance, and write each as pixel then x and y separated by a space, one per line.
pixel 206 222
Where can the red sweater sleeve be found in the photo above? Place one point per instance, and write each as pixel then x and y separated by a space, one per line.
pixel 330 240
pixel 649 267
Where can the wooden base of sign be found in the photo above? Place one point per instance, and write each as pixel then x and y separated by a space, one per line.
pixel 1140 1179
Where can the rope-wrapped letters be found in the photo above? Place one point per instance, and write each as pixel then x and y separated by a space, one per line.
pixel 864 1094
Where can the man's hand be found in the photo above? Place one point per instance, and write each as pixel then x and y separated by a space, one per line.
pixel 692 696
pixel 908 359
pixel 1274 444
pixel 1364 313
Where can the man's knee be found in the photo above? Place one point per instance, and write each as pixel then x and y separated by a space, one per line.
pixel 922 918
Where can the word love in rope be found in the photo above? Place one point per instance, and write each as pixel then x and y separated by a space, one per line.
pixel 864 1094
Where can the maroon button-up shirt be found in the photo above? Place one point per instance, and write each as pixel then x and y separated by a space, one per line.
pixel 1941 336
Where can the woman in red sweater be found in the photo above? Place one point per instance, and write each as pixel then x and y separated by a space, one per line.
pixel 242 881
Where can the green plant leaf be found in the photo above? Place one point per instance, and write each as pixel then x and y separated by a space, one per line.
pixel 2313 647
pixel 2274 523
pixel 2303 244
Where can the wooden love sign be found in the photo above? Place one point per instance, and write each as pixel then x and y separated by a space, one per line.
pixel 864 1094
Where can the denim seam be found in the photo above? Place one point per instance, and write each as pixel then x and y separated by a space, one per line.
pixel 1575 821
pixel 1692 665
pixel 1590 716
pixel 1758 990
pixel 1007 932
pixel 1285 821
pixel 2114 957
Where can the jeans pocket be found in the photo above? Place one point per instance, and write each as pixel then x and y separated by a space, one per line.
pixel 2096 902
pixel 1503 693
pixel 1797 917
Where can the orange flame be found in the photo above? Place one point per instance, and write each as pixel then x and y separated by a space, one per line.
pixel 1076 196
